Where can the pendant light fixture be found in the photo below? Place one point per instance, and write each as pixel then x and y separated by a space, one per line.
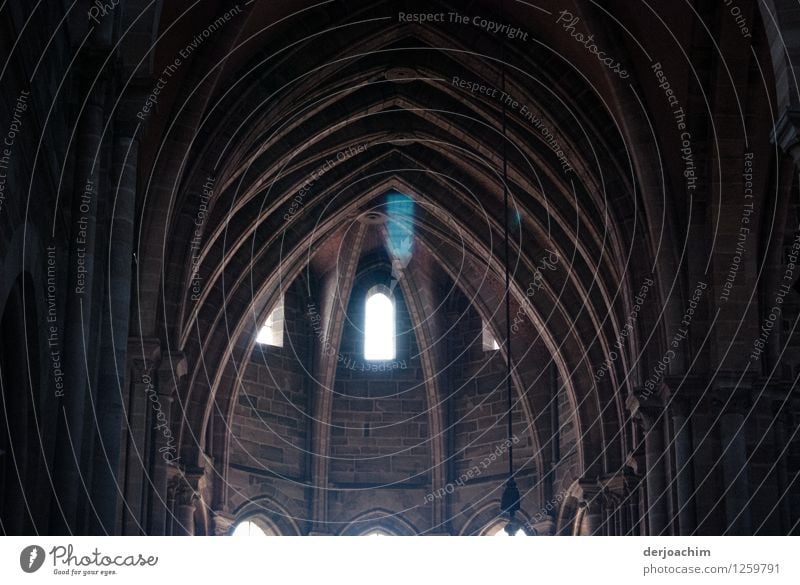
pixel 509 502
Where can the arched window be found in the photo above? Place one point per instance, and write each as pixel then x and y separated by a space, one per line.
pixel 499 529
pixel 379 325
pixel 502 532
pixel 489 342
pixel 271 333
pixel 250 528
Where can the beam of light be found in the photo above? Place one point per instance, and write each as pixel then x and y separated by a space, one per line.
pixel 400 228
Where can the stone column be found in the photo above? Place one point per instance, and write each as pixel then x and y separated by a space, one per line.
pixel 164 454
pixel 544 522
pixel 186 499
pixel 781 475
pixel 617 493
pixel 786 136
pixel 634 493
pixel 172 472
pixel 610 524
pixel 684 466
pixel 114 334
pixel 590 501
pixel 735 468
pixel 69 476
pixel 144 356
pixel 223 523
pixel 649 412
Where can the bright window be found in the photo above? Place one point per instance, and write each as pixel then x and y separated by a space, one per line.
pixel 248 528
pixel 502 532
pixel 499 529
pixel 489 342
pixel 379 325
pixel 272 331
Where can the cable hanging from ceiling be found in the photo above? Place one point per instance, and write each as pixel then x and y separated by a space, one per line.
pixel 509 502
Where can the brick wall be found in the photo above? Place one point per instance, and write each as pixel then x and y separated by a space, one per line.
pixel 270 422
pixel 478 430
pixel 379 422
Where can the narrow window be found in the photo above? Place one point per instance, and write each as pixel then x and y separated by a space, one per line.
pixel 489 342
pixel 248 528
pixel 379 325
pixel 272 331
pixel 499 529
pixel 253 527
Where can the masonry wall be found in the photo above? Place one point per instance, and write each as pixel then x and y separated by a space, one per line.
pixel 380 429
pixel 566 468
pixel 478 428
pixel 269 428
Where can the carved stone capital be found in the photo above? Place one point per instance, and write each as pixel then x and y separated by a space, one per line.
pixel 184 485
pixel 589 493
pixel 222 523
pixel 134 94
pixel 681 394
pixel 733 394
pixel 185 494
pixel 144 356
pixel 171 372
pixel 646 408
pixel 620 483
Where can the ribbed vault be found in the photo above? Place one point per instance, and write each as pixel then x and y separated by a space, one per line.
pixel 384 109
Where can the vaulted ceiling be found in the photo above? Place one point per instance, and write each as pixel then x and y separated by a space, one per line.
pixel 298 118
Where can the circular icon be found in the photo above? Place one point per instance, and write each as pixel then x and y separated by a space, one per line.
pixel 31 558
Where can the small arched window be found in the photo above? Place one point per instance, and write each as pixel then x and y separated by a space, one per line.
pixel 271 333
pixel 499 529
pixel 254 526
pixel 502 532
pixel 248 528
pixel 379 325
pixel 489 342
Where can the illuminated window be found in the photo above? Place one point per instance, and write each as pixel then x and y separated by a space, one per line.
pixel 379 326
pixel 272 331
pixel 502 532
pixel 489 342
pixel 248 528
pixel 499 529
